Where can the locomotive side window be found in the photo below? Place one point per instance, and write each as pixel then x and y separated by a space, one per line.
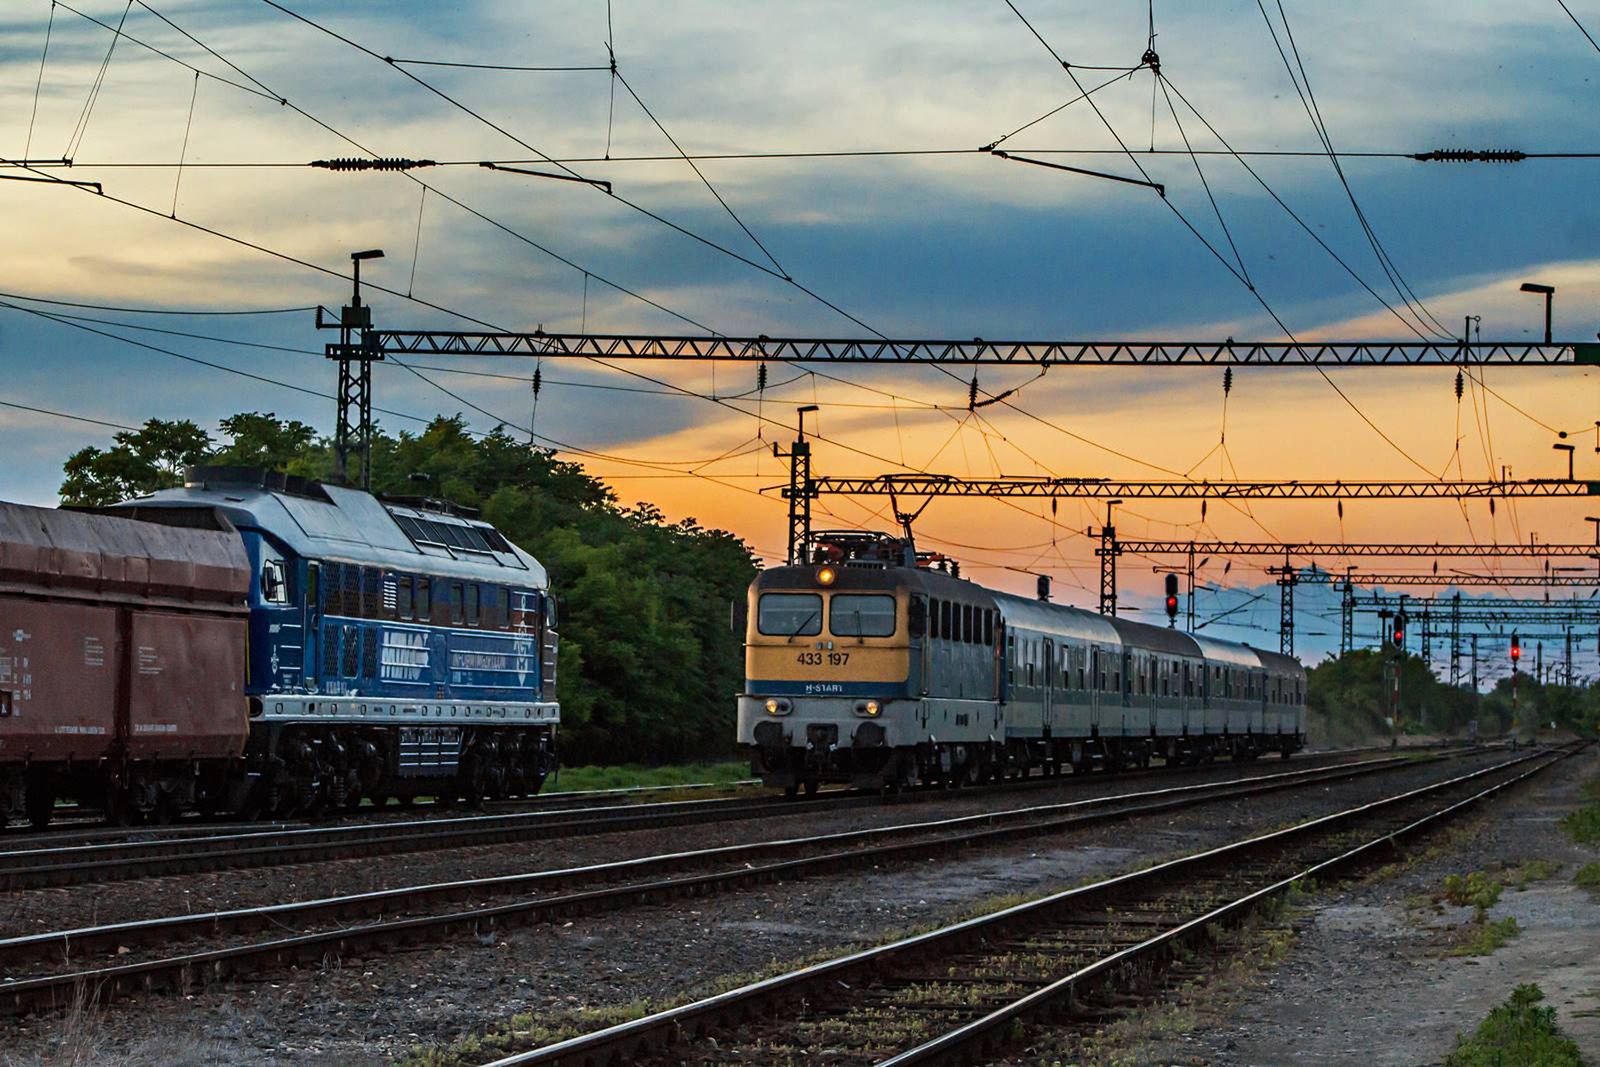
pixel 456 607
pixel 860 615
pixel 789 614
pixel 274 582
pixel 944 620
pixel 988 627
pixel 474 605
pixel 424 600
pixel 402 596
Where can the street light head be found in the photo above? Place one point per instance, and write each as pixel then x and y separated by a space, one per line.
pixel 371 253
pixel 1535 287
pixel 806 408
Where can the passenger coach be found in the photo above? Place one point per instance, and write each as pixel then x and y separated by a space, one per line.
pixel 871 665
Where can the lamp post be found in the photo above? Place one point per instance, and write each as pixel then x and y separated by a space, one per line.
pixel 1549 294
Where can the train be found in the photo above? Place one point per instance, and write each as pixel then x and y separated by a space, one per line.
pixel 876 666
pixel 268 645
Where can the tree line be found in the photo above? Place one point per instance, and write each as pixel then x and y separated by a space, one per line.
pixel 649 666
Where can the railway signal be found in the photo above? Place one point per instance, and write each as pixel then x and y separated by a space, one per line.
pixel 1172 601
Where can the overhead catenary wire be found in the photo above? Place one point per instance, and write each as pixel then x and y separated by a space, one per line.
pixel 38 84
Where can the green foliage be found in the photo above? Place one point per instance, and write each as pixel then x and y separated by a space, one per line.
pixel 1348 701
pixel 141 461
pixel 1475 890
pixel 648 667
pixel 632 775
pixel 1588 876
pixel 1517 1032
pixel 1484 938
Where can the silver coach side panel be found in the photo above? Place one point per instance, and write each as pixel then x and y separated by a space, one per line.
pixel 1233 673
pixel 1077 644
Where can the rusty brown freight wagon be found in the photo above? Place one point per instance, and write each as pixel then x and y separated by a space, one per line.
pixel 122 649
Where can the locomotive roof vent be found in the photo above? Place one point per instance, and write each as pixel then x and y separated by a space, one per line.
pixel 205 477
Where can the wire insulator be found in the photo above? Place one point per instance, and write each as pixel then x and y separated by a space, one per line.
pixel 1471 155
pixel 1460 382
pixel 538 379
pixel 373 164
pixel 1227 380
pixel 972 394
pixel 761 378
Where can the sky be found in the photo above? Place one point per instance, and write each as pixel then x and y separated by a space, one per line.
pixel 957 245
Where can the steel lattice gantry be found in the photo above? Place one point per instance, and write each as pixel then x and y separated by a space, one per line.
pixel 1117 489
pixel 1334 548
pixel 1464 581
pixel 975 351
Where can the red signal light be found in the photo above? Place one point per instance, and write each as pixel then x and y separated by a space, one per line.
pixel 1516 653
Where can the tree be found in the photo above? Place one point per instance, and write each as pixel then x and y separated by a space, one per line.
pixel 140 462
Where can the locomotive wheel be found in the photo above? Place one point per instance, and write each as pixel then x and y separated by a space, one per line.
pixel 812 785
pixel 791 791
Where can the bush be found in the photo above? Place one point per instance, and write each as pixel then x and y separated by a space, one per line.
pixel 1517 1032
pixel 1476 890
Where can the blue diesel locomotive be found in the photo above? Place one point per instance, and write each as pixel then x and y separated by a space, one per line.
pixel 870 666
pixel 397 646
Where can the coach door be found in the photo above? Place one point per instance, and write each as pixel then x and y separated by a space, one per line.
pixel 1047 712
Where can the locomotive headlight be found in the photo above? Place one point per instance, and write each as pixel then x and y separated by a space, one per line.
pixel 869 708
pixel 777 707
pixel 826 576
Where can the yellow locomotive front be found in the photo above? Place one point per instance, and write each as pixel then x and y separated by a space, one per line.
pixel 829 693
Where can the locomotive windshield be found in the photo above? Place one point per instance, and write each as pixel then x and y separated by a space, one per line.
pixel 790 614
pixel 856 615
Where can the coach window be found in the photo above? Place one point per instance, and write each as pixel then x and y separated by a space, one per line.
pixel 1011 659
pixel 474 605
pixel 424 600
pixel 858 615
pixel 789 614
pixel 402 596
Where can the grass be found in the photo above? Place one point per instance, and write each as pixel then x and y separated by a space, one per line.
pixel 1484 938
pixel 1588 876
pixel 1476 890
pixel 1583 825
pixel 633 775
pixel 1519 1032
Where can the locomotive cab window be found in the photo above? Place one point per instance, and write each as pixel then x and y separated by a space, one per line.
pixel 274 582
pixel 861 615
pixel 789 614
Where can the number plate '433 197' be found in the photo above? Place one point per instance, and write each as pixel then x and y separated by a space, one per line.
pixel 817 659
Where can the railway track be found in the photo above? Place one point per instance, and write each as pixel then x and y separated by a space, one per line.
pixel 33 866
pixel 319 930
pixel 965 992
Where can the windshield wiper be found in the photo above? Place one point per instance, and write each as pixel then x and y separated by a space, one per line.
pixel 803 624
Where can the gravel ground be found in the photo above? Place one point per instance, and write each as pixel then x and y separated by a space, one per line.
pixel 67 907
pixel 1366 977
pixel 365 1011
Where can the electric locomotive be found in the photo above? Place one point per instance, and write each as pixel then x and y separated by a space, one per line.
pixel 877 666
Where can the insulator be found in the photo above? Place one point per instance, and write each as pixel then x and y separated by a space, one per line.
pixel 972 393
pixel 1227 380
pixel 538 379
pixel 1460 380
pixel 1471 155
pixel 373 164
pixel 1340 505
pixel 761 378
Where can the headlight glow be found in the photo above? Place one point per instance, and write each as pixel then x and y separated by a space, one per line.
pixel 872 707
pixel 826 576
pixel 775 706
